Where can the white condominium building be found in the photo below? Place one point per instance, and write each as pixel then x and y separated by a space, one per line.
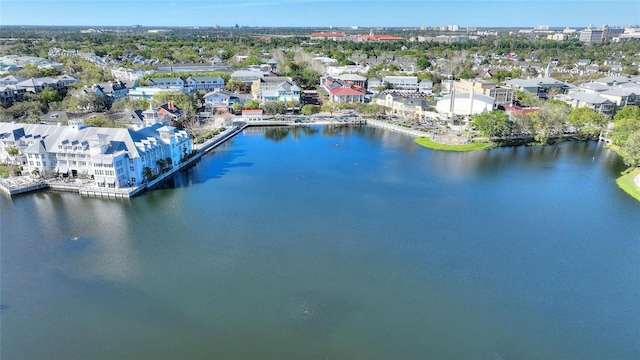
pixel 112 157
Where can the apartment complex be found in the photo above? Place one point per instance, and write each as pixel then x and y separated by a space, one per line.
pixel 111 157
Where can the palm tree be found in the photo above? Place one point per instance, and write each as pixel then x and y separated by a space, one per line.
pixel 13 151
pixel 147 172
pixel 161 164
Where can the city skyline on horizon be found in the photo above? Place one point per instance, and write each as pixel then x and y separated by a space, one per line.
pixel 302 13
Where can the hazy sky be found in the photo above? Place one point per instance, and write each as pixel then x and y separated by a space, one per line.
pixel 320 13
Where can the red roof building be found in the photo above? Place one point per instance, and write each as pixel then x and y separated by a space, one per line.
pixel 518 110
pixel 252 115
pixel 329 35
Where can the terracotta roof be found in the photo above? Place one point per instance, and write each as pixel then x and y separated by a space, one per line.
pixel 517 110
pixel 249 112
pixel 345 91
pixel 383 37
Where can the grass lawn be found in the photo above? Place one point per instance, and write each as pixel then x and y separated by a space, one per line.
pixel 426 142
pixel 625 182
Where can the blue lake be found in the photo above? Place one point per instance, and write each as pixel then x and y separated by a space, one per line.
pixel 333 242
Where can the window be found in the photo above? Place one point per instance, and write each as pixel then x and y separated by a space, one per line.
pixel 131 168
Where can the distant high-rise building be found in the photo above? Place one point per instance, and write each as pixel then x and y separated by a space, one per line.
pixel 591 35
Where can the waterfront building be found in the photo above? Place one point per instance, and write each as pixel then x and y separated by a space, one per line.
pixel 408 108
pixel 275 88
pixel 342 91
pixel 220 100
pixel 595 102
pixel 464 104
pixel 502 96
pixel 110 157
pixel 252 115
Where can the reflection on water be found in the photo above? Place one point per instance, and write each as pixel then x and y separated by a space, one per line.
pixel 339 242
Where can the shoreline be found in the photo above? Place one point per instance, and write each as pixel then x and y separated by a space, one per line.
pixel 630 183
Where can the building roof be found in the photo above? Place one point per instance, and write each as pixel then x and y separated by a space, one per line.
pixel 343 91
pixel 206 78
pixel 170 108
pixel 595 86
pixel 220 93
pixel 517 110
pixel 33 82
pixel 623 91
pixel 415 102
pixel 537 82
pixel 248 74
pixel 589 98
pixel 163 80
pixel 274 79
pixel 12 78
pixel 351 77
pixel 252 112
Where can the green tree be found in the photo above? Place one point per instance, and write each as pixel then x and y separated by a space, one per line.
pixel 86 102
pixel 234 85
pixel 101 121
pixel 162 164
pixel 628 111
pixel 49 95
pixel 186 102
pixel 13 151
pixel 625 122
pixel 148 174
pixel 274 107
pixel 422 63
pixel 309 109
pixel 236 107
pixel 527 99
pixel 524 124
pixel 494 124
pixel 124 105
pixel 550 121
pixel 631 150
pixel 586 122
pixel 252 104
pixel 328 107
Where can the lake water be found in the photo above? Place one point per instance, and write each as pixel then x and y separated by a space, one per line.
pixel 333 243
